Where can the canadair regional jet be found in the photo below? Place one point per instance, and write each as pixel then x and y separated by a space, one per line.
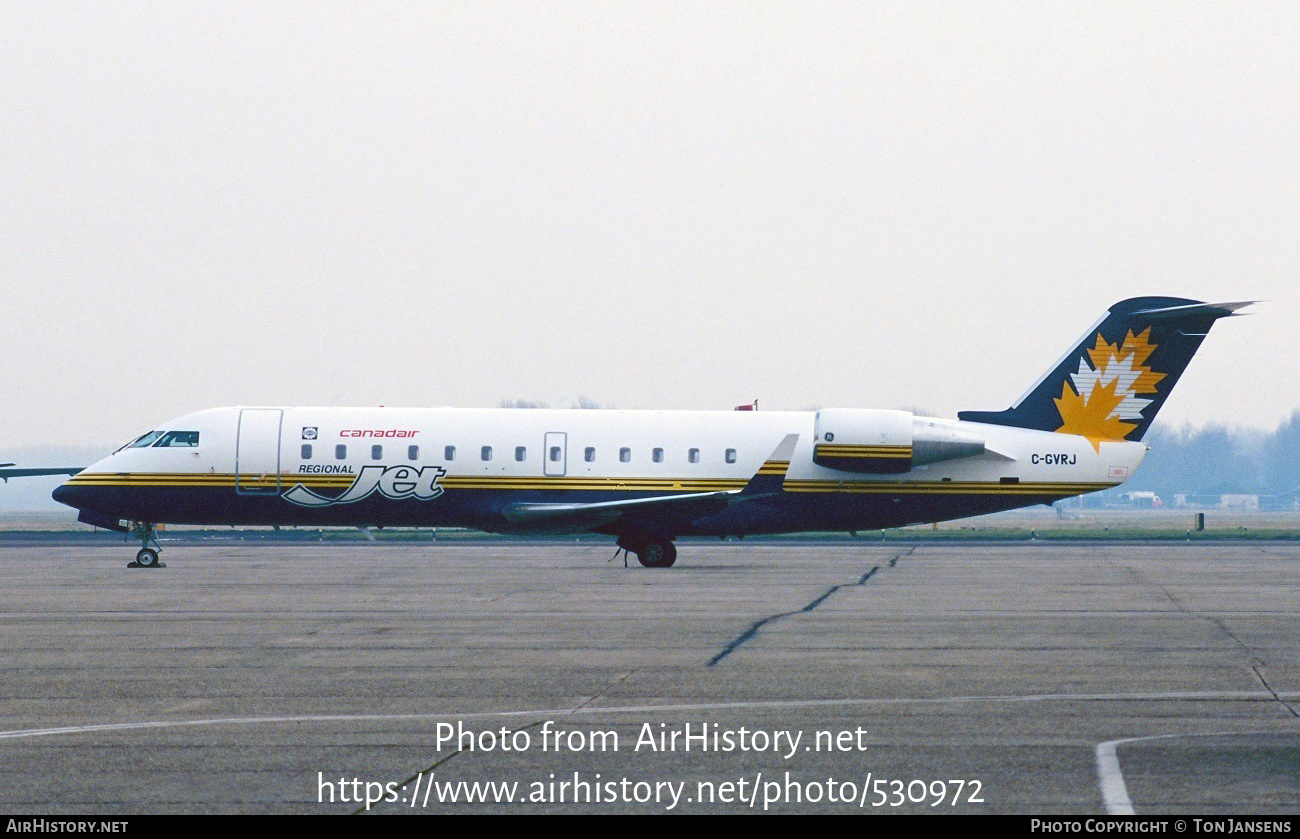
pixel 647 477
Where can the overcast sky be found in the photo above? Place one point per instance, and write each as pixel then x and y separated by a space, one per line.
pixel 659 205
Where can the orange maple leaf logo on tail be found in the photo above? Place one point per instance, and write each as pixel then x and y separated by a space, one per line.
pixel 1107 395
pixel 1091 417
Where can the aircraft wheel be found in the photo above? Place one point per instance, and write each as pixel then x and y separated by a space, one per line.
pixel 657 553
pixel 147 558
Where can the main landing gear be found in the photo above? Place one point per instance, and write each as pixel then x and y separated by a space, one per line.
pixel 147 557
pixel 651 551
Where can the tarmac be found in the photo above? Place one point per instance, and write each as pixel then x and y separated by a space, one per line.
pixel 781 677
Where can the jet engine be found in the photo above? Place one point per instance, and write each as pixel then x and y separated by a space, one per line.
pixel 885 442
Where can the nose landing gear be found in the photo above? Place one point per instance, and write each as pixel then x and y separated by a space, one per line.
pixel 146 532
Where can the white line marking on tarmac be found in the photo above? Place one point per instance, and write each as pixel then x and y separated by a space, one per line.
pixel 1114 792
pixel 1238 696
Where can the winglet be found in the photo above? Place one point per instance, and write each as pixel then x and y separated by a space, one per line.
pixel 771 475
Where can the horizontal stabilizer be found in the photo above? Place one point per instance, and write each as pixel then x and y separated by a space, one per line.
pixel 1216 310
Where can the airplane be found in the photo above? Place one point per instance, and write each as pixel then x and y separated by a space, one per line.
pixel 6 474
pixel 649 477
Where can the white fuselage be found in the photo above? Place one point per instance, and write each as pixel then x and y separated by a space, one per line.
pixel 463 467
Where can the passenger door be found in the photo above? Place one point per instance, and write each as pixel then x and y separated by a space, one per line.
pixel 257 452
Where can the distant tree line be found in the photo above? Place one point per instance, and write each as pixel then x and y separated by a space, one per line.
pixel 581 402
pixel 1215 459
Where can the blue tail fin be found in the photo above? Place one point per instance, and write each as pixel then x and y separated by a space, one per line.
pixel 1110 386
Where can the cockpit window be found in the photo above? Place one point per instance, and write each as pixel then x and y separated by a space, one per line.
pixel 181 439
pixel 144 440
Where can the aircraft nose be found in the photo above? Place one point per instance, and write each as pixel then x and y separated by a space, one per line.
pixel 91 502
pixel 66 494
pixel 79 495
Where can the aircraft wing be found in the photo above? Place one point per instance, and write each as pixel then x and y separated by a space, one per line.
pixel 580 518
pixel 656 510
pixel 6 474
